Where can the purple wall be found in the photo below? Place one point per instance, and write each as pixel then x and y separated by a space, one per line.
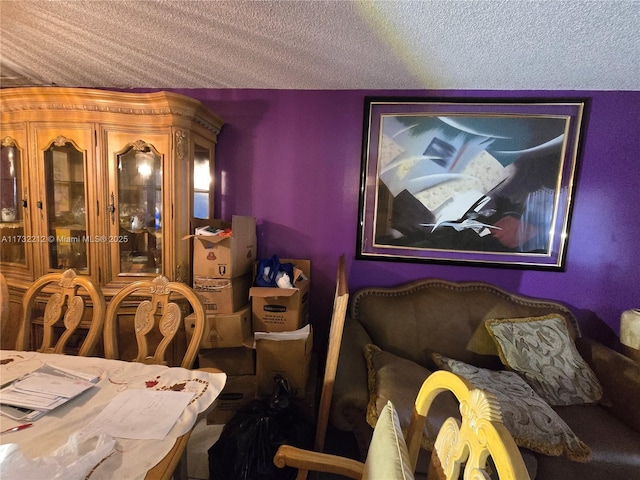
pixel 292 160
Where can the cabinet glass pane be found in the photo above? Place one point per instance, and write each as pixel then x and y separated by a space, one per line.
pixel 202 183
pixel 11 219
pixel 140 211
pixel 66 207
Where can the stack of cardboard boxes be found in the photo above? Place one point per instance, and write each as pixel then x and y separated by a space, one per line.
pixel 223 258
pixel 224 265
pixel 280 312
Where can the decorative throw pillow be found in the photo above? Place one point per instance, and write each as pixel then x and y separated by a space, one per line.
pixel 541 351
pixel 388 456
pixel 396 379
pixel 481 342
pixel 533 424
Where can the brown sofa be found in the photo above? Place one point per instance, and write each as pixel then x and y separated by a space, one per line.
pixel 426 317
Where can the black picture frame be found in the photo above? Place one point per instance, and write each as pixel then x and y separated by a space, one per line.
pixel 486 182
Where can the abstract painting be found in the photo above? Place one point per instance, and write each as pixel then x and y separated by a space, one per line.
pixel 486 182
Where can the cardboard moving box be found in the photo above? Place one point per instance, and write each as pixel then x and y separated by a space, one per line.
pixel 221 256
pixel 237 392
pixel 289 358
pixel 223 330
pixel 232 361
pixel 282 309
pixel 223 295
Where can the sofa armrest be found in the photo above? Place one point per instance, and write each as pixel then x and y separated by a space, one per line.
pixel 350 390
pixel 619 377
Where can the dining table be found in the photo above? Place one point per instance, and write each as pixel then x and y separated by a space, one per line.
pixel 130 458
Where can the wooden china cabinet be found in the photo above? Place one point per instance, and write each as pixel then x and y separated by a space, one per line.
pixel 101 181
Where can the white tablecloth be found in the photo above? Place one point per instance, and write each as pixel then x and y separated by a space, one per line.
pixel 132 458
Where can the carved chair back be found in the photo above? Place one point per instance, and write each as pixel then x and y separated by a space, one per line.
pixel 467 444
pixel 67 293
pixel 156 310
pixel 4 304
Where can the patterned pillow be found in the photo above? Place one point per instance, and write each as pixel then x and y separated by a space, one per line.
pixel 533 424
pixel 541 351
pixel 481 342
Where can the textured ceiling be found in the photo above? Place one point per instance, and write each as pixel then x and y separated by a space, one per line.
pixel 434 44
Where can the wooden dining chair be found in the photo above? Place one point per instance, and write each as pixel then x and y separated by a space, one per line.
pixel 157 311
pixel 67 297
pixel 460 445
pixel 4 305
pixel 387 457
pixel 467 444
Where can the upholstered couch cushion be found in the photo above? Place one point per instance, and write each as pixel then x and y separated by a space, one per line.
pixel 542 352
pixel 396 379
pixel 615 447
pixel 530 420
pixel 388 456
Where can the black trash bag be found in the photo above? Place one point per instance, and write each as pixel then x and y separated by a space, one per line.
pixel 249 441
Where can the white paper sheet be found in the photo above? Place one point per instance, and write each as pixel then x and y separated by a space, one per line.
pixel 31 400
pixel 52 385
pixel 141 414
pixel 300 334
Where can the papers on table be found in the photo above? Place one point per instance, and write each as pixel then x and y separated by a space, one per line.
pixel 42 390
pixel 18 413
pixel 140 414
pixel 46 386
pixel 65 372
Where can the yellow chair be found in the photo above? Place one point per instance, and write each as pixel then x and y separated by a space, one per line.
pixel 67 302
pixel 459 445
pixel 387 458
pixel 468 444
pixel 155 295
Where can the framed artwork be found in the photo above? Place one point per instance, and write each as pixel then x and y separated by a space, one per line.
pixel 478 181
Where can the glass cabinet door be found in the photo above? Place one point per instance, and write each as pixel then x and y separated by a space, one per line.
pixel 139 209
pixel 66 206
pixel 202 182
pixel 12 246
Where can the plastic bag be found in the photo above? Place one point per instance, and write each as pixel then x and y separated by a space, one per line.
pixel 249 441
pixel 73 460
pixel 269 270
